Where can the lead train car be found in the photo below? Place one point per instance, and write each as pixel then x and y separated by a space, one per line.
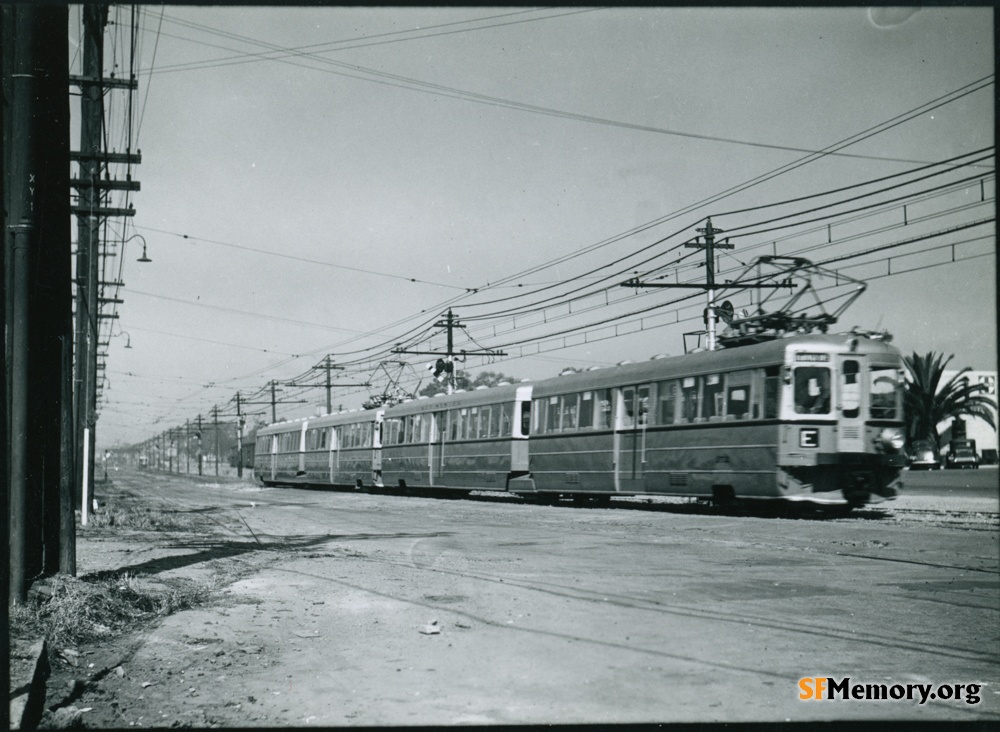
pixel 813 418
pixel 809 418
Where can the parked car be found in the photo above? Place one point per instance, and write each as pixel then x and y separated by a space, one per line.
pixel 962 457
pixel 924 456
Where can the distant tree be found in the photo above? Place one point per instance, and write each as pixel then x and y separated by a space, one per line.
pixel 928 403
pixel 463 381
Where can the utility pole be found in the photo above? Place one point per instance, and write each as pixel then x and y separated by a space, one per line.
pixel 199 444
pixel 20 237
pixel 36 310
pixel 273 401
pixel 215 418
pixel 710 245
pixel 239 437
pixel 446 364
pixel 90 211
pixel 95 17
pixel 187 444
pixel 327 366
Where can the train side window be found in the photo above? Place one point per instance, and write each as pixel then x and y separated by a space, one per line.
pixel 472 424
pixel 628 408
pixel 812 390
pixel 587 410
pixel 643 399
pixel 689 399
pixel 552 415
pixel 772 383
pixel 738 388
pixel 484 422
pixel 605 413
pixel 713 396
pixel 506 416
pixel 570 412
pixel 665 412
pixel 525 418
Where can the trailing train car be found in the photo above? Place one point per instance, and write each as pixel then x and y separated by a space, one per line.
pixel 465 440
pixel 334 449
pixel 814 418
pixel 809 418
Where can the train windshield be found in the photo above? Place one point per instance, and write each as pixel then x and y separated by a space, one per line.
pixel 812 390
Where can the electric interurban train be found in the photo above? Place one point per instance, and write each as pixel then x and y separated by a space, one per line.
pixel 816 418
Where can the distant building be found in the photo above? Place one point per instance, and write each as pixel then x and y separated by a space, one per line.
pixel 976 429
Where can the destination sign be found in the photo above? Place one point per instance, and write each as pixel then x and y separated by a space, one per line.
pixel 813 357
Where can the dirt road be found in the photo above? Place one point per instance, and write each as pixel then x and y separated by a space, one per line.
pixel 348 609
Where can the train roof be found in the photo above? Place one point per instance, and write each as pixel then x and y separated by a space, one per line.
pixel 325 420
pixel 476 397
pixel 767 353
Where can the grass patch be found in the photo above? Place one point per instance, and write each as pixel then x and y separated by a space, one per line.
pixel 68 610
pixel 134 517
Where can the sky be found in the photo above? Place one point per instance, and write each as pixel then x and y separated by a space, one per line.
pixel 329 181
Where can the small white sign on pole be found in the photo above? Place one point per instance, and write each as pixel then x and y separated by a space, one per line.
pixel 86 476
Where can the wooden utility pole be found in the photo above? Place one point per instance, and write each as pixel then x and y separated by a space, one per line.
pixel 215 419
pixel 95 17
pixel 327 365
pixel 274 402
pixel 446 364
pixel 198 436
pixel 90 210
pixel 36 272
pixel 19 238
pixel 710 246
pixel 239 437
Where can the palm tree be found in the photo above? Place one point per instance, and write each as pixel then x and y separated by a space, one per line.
pixel 928 403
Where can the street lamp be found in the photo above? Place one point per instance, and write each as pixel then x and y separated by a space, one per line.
pixel 143 258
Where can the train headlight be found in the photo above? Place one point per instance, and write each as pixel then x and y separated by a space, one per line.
pixel 891 440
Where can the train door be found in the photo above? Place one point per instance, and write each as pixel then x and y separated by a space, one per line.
pixel 436 451
pixel 334 454
pixel 630 433
pixel 377 449
pixel 274 456
pixel 849 404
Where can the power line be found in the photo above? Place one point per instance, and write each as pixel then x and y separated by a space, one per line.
pixel 283 255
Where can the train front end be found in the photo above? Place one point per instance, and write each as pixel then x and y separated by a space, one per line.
pixel 841 434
